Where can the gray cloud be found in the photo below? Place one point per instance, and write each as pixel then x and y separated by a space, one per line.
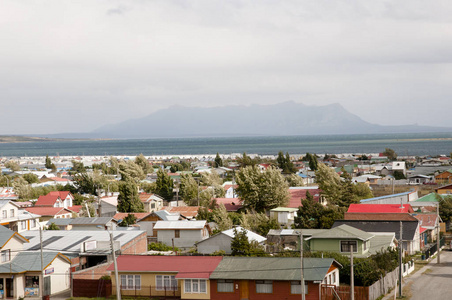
pixel 388 62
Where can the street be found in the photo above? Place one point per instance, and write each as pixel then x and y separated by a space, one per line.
pixel 434 282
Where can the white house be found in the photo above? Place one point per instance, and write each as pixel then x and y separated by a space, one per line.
pixel 284 215
pixel 184 234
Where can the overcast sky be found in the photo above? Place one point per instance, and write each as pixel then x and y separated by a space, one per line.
pixel 72 66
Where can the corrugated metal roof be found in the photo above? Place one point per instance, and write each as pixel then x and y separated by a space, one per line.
pixel 272 268
pixel 342 231
pixel 29 261
pixel 180 224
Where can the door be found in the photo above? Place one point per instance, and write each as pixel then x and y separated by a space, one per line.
pixel 244 290
pixel 9 285
pixel 47 288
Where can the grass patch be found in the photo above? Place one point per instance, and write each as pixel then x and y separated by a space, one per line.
pixel 427 271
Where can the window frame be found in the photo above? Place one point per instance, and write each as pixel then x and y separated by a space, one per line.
pixel 5 255
pixel 4 214
pixel 225 284
pixel 297 284
pixel 192 282
pixel 177 233
pixel 134 279
pixel 348 243
pixel 264 284
pixel 166 278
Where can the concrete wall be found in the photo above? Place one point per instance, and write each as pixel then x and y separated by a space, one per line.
pixel 187 238
pixel 60 278
pixel 138 245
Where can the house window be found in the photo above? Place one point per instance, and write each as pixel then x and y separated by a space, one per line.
pixel 264 286
pixel 5 255
pixel 346 246
pixel 23 225
pixel 195 286
pixel 152 205
pixel 11 212
pixel 365 245
pixel 334 278
pixel 32 281
pixel 33 223
pixel 295 287
pixel 177 233
pixel 4 214
pixel 166 283
pixel 225 286
pixel 131 282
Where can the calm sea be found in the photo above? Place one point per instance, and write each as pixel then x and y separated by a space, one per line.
pixel 403 144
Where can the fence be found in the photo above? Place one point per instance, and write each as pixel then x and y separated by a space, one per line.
pixel 381 287
pixel 150 291
pixel 432 250
pixel 91 288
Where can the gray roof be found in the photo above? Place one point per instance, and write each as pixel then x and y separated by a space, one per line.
pixel 381 242
pixel 28 261
pixel 69 241
pixel 166 215
pixel 80 221
pixel 343 232
pixel 272 268
pixel 180 225
pixel 59 221
pixel 6 234
pixel 408 230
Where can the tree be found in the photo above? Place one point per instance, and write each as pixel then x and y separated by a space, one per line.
pixel 329 182
pixel 128 198
pixel 245 160
pixel 31 178
pixel 259 223
pixel 22 188
pixel 87 210
pixel 398 175
pixel 218 161
pixel 240 245
pixel 262 190
pixel 13 165
pixel 188 188
pixel 294 180
pixel 130 219
pixel 313 215
pixel 284 163
pixel 130 170
pixel 220 216
pixel 53 226
pixel 78 166
pixel 49 164
pixel 313 162
pixel 390 154
pixel 445 208
pixel 143 163
pixel 164 185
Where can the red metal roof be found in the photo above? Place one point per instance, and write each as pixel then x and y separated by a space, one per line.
pixel 231 204
pixel 380 208
pixel 62 194
pixel 47 200
pixel 185 211
pixel 121 216
pixel 183 266
pixel 48 211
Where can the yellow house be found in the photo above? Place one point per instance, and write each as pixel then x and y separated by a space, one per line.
pixel 186 277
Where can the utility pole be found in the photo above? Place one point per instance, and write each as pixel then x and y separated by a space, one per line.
pixel 438 260
pixel 41 281
pixel 400 260
pixel 303 297
pixel 118 290
pixel 352 277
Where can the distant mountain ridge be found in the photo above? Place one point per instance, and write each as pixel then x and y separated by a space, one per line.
pixel 283 119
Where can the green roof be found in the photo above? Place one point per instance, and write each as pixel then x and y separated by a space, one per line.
pixel 28 261
pixel 272 268
pixel 429 198
pixel 342 231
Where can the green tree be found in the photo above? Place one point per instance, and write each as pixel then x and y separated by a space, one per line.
pixel 329 182
pixel 390 154
pixel 164 185
pixel 128 198
pixel 259 223
pixel 87 210
pixel 218 161
pixel 398 175
pixel 53 226
pixel 188 188
pixel 143 163
pixel 49 164
pixel 313 162
pixel 246 161
pixel 445 208
pixel 13 165
pixel 313 215
pixel 285 163
pixel 78 167
pixel 22 188
pixel 130 219
pixel 130 170
pixel 262 190
pixel 294 180
pixel 31 178
pixel 240 244
pixel 220 216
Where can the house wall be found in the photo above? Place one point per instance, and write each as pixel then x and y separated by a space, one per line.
pixel 60 280
pixel 15 245
pixel 19 285
pixel 138 245
pixel 147 226
pixel 334 245
pixel 195 295
pixel 215 243
pixel 187 238
pixel 281 290
pixel 148 285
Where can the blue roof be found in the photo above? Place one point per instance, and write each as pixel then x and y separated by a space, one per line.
pixel 386 196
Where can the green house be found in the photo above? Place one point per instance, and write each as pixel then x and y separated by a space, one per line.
pixel 340 239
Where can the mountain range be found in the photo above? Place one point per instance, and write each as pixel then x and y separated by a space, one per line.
pixel 283 119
